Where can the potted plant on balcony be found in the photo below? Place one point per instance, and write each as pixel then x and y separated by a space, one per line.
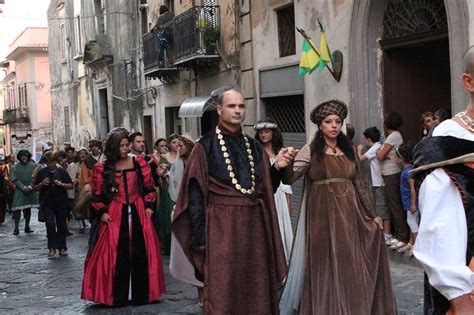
pixel 210 37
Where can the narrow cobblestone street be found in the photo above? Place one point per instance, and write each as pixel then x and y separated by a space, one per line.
pixel 32 284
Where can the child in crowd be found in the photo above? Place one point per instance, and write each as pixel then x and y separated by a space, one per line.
pixel 408 194
pixel 372 142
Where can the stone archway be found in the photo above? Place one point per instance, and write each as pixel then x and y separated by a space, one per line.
pixel 365 72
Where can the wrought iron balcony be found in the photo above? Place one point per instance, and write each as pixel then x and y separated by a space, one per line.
pixel 193 41
pixel 156 66
pixel 16 115
pixel 197 34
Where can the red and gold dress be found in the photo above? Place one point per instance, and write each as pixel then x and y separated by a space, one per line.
pixel 125 262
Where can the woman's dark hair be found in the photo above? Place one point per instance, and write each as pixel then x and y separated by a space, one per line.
pixel 277 137
pixel 171 137
pixel 443 114
pixel 393 121
pixel 157 142
pixel 112 154
pixel 373 134
pixel 350 131
pixel 318 145
pixel 405 151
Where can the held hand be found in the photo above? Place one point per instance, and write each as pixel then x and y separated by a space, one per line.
pixel 463 305
pixel 285 157
pixel 162 169
pixel 105 218
pixel 360 148
pixel 378 221
pixel 149 212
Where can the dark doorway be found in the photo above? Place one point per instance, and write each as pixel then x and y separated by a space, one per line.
pixel 148 133
pixel 103 128
pixel 416 79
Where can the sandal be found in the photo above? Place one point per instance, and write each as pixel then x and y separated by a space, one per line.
pixel 63 252
pixel 405 248
pixel 51 253
pixel 397 245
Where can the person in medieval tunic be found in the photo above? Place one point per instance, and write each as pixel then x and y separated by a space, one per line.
pixel 24 198
pixel 339 262
pixel 225 219
pixel 444 163
pixel 124 261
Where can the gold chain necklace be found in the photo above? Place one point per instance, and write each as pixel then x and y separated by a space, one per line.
pixel 466 120
pixel 224 150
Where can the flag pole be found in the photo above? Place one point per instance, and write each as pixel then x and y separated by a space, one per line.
pixel 322 31
pixel 308 40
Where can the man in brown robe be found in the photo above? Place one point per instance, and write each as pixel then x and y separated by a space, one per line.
pixel 225 219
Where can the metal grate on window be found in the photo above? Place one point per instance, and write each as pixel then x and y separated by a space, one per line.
pixel 287 111
pixel 286 31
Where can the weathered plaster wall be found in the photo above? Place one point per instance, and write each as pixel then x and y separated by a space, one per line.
pixel 334 15
pixel 42 91
pixel 59 70
pixel 189 85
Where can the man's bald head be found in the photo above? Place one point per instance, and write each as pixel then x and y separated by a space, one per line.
pixel 468 61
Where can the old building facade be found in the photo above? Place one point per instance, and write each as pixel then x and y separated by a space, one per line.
pixel 27 115
pixel 203 55
pixel 397 55
pixel 94 68
pixel 403 56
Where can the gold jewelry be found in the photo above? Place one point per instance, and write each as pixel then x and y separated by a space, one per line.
pixel 466 120
pixel 333 148
pixel 235 182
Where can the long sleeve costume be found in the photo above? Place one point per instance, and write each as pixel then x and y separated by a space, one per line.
pixel 339 263
pixel 127 248
pixel 445 242
pixel 232 240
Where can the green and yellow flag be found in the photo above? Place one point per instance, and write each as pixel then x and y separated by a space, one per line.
pixel 324 48
pixel 309 59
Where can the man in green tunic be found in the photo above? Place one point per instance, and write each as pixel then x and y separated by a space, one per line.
pixel 24 198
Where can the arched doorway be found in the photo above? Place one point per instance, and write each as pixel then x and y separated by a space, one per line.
pixel 416 67
pixel 367 65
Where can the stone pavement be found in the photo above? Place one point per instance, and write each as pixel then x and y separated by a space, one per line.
pixel 32 284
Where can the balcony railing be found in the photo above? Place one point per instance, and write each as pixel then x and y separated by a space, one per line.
pixel 197 32
pixel 16 115
pixel 192 34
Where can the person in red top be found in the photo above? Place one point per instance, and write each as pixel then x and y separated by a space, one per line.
pixel 124 261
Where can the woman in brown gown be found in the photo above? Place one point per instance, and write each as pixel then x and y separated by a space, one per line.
pixel 339 263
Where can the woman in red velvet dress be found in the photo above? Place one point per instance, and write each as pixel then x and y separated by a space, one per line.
pixel 124 261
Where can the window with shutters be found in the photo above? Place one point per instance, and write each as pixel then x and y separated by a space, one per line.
pixel 286 30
